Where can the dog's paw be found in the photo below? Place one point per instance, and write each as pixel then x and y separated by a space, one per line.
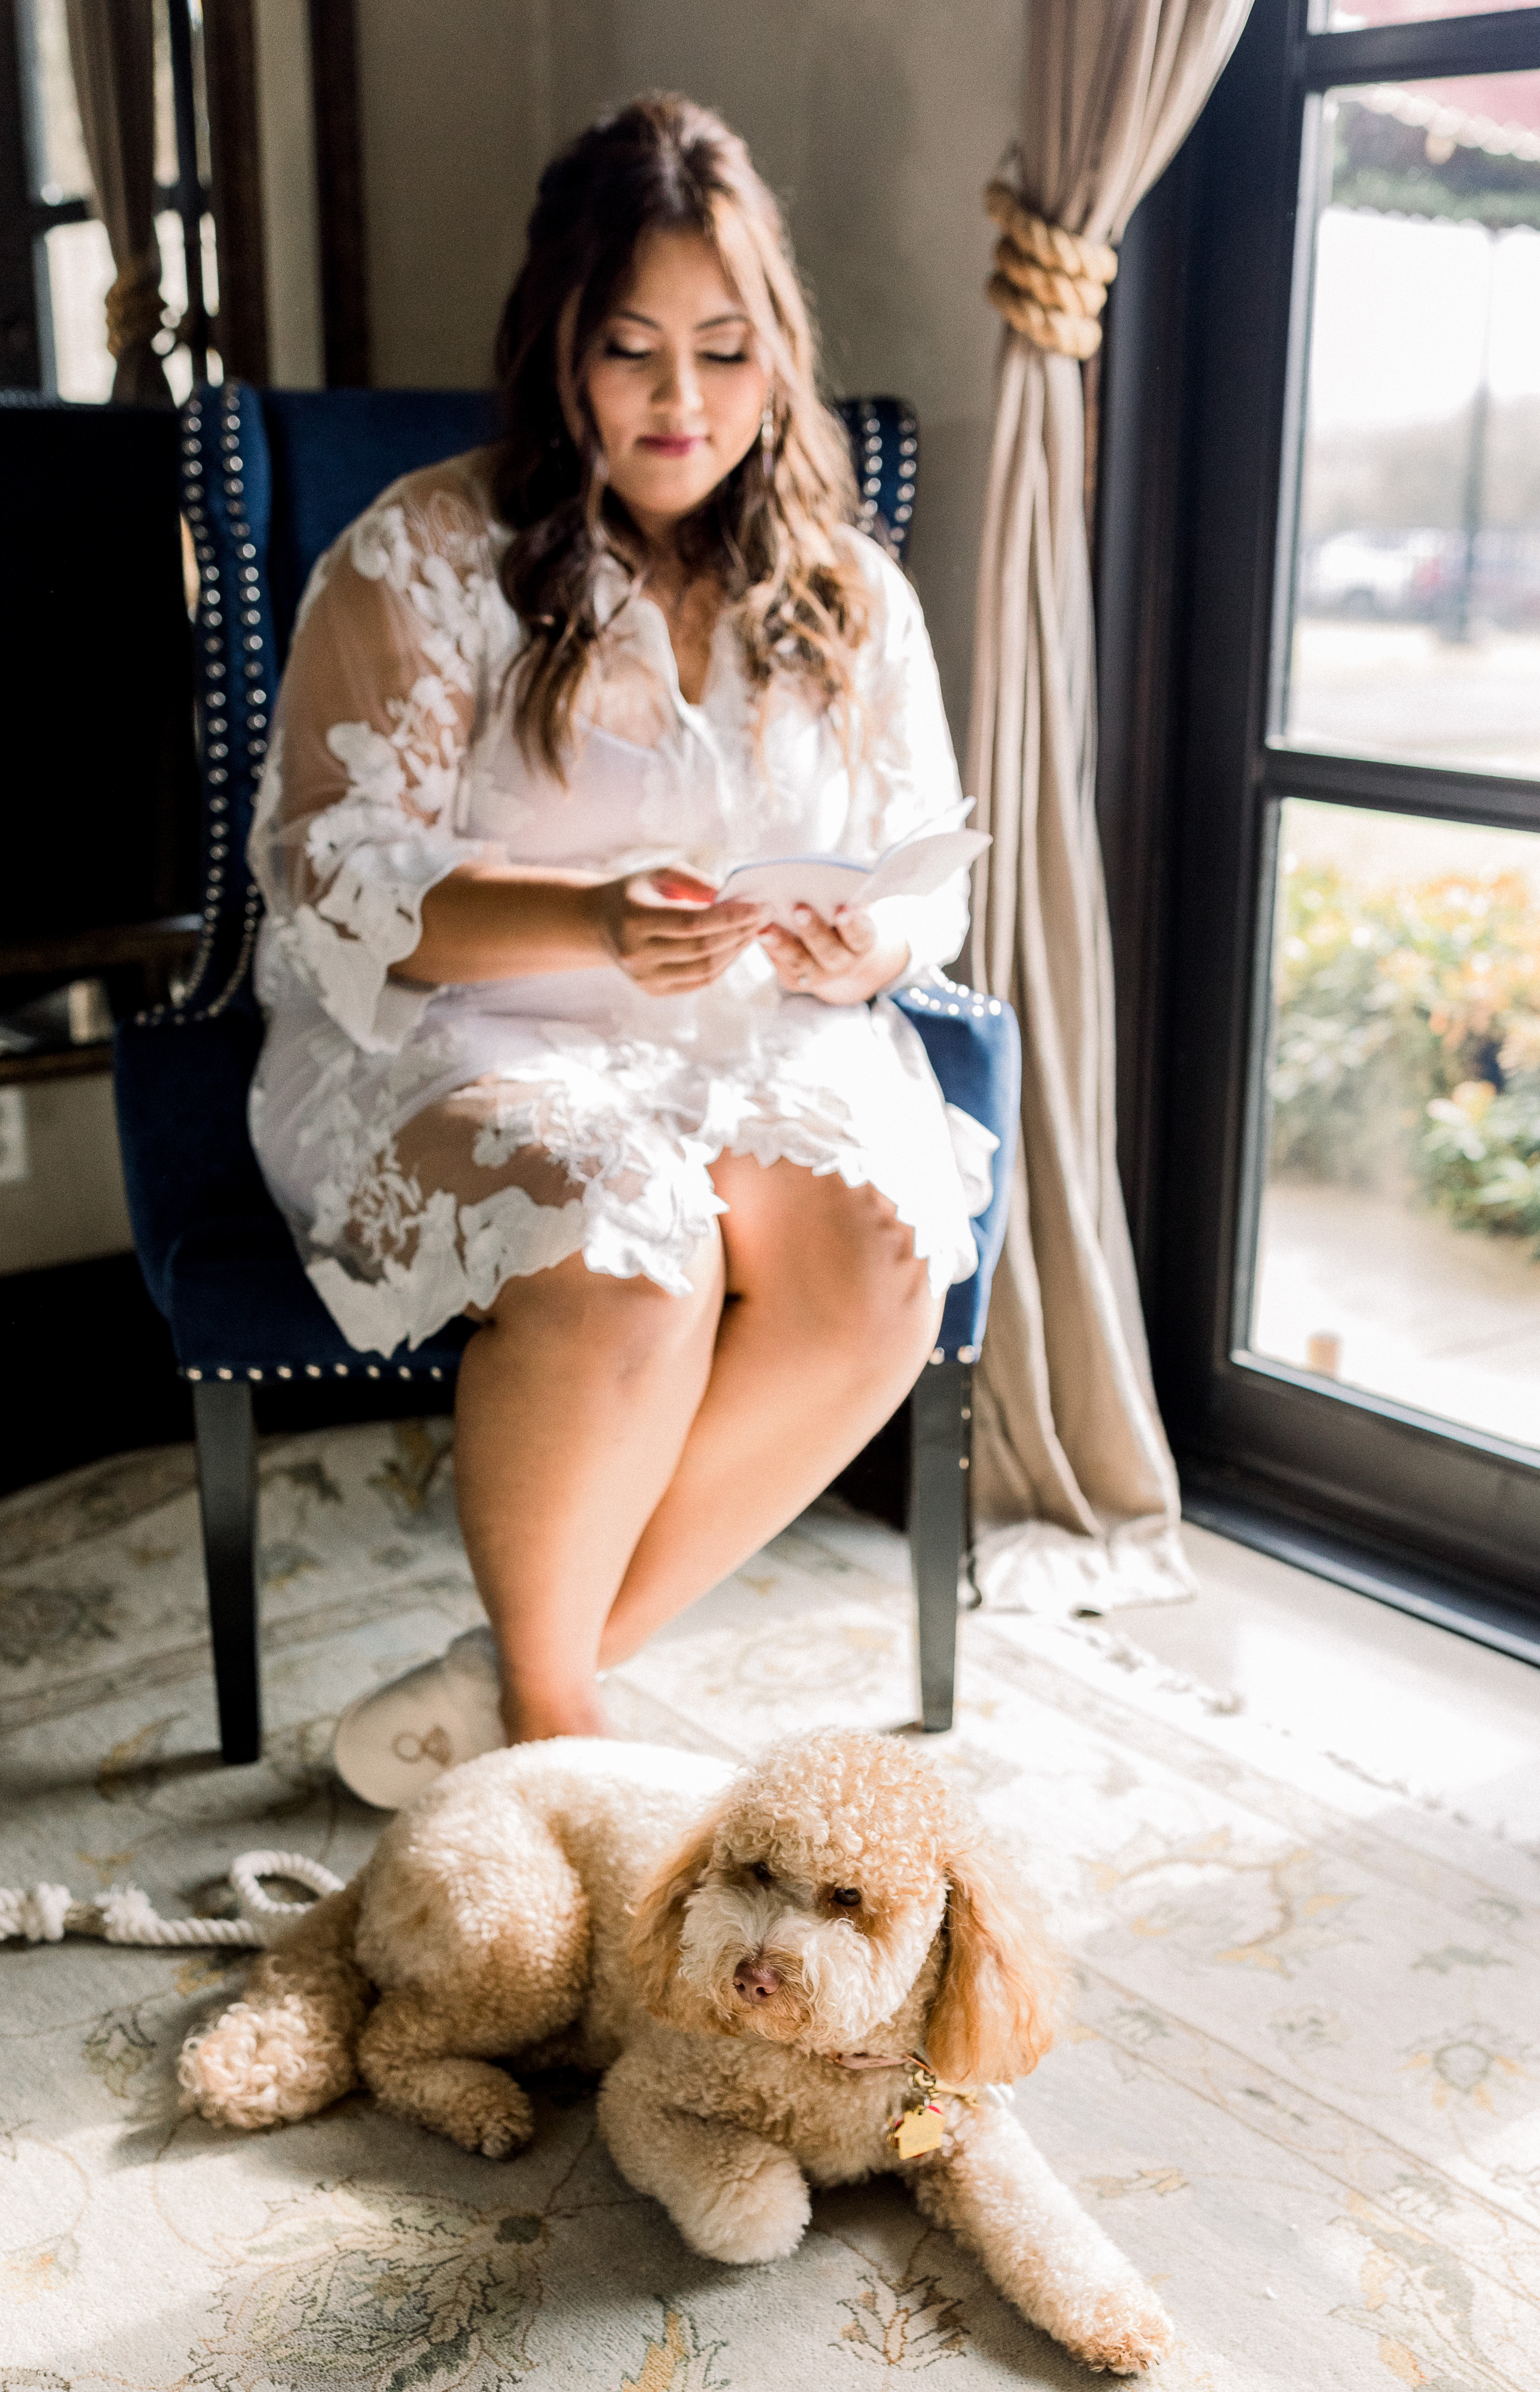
pixel 749 2219
pixel 260 2065
pixel 494 2119
pixel 1127 2330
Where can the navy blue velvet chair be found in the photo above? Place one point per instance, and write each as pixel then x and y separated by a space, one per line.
pixel 269 478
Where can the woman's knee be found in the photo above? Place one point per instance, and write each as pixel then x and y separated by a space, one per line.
pixel 870 1276
pixel 837 1256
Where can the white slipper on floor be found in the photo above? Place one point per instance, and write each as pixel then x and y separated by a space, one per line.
pixel 391 1744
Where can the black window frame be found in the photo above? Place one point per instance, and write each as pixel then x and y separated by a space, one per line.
pixel 1201 416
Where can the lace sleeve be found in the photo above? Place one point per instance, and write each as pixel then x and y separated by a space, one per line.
pixel 910 773
pixel 356 820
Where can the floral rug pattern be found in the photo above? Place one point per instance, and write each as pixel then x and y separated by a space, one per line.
pixel 1301 2082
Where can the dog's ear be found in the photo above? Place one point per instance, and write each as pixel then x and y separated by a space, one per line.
pixel 657 1916
pixel 992 2020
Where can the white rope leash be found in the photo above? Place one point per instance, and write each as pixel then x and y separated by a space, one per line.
pixel 44 1914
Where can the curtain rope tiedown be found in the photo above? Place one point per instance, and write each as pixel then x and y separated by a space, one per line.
pixel 1049 284
pixel 135 308
pixel 44 1914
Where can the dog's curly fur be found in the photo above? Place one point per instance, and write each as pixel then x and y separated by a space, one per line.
pixel 714 1943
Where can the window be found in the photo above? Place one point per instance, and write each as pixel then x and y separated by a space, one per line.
pixel 1343 1279
pixel 59 265
pixel 1412 624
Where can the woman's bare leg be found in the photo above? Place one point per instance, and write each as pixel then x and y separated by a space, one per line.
pixel 829 1319
pixel 574 1401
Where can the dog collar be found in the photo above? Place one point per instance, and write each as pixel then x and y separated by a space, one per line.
pixel 921 2122
pixel 920 2126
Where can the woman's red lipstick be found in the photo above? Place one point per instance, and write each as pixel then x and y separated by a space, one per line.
pixel 670 444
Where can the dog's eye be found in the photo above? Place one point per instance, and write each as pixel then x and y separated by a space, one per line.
pixel 760 1874
pixel 845 1897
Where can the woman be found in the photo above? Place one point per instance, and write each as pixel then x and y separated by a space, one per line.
pixel 696 1189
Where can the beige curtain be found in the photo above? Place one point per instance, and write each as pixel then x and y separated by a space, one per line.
pixel 112 59
pixel 1072 1463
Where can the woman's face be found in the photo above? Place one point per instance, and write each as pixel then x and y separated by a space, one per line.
pixel 677 385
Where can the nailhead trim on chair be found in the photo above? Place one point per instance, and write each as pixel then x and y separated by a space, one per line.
pixel 339 1371
pixel 872 468
pixel 233 698
pixel 977 1006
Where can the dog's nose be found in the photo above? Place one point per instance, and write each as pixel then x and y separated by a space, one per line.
pixel 754 1981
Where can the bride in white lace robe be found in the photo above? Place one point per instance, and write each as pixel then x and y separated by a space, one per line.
pixel 396 1121
pixel 691 1171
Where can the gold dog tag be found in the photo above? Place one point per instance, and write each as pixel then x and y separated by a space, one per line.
pixel 918 2131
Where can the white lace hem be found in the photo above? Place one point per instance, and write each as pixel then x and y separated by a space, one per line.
pixel 465 1254
pixel 646 1205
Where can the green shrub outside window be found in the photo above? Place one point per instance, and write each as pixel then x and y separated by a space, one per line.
pixel 1406 1040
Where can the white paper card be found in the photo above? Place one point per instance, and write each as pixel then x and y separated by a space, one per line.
pixel 915 867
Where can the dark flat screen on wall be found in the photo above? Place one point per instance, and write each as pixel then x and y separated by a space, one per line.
pixel 100 792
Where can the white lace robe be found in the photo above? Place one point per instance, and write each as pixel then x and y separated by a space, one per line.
pixel 425 1144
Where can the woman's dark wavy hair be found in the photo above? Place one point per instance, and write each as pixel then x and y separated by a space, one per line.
pixel 768 530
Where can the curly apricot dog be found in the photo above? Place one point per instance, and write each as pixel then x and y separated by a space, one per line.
pixel 753 1958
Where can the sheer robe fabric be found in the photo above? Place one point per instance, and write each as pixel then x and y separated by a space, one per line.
pixel 427 1144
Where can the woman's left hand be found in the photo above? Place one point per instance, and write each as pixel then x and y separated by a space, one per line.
pixel 841 962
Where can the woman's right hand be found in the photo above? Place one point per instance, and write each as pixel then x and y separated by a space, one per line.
pixel 670 948
pixel 487 921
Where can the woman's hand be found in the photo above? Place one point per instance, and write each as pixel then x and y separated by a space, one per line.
pixel 488 921
pixel 669 949
pixel 841 962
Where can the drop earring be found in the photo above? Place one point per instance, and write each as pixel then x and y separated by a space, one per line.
pixel 767 435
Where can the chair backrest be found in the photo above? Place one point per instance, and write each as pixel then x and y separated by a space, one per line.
pixel 269 478
pixel 332 451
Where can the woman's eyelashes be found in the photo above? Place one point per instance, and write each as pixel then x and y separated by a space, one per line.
pixel 618 350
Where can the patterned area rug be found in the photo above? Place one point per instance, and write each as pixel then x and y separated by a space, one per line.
pixel 1299 2087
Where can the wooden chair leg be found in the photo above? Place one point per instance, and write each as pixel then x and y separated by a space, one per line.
pixel 227 1494
pixel 941 1416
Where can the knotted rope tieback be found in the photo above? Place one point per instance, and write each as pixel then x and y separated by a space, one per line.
pixel 1048 283
pixel 134 308
pixel 44 1914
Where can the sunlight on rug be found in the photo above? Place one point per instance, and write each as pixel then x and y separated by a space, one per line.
pixel 1300 2087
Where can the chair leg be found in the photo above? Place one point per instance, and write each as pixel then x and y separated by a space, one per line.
pixel 227 1494
pixel 940 1414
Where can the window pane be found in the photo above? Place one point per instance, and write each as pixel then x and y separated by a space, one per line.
pixel 1415 623
pixel 1399 1220
pixel 57 167
pixel 1340 18
pixel 211 266
pixel 166 104
pixel 81 273
pixel 200 93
